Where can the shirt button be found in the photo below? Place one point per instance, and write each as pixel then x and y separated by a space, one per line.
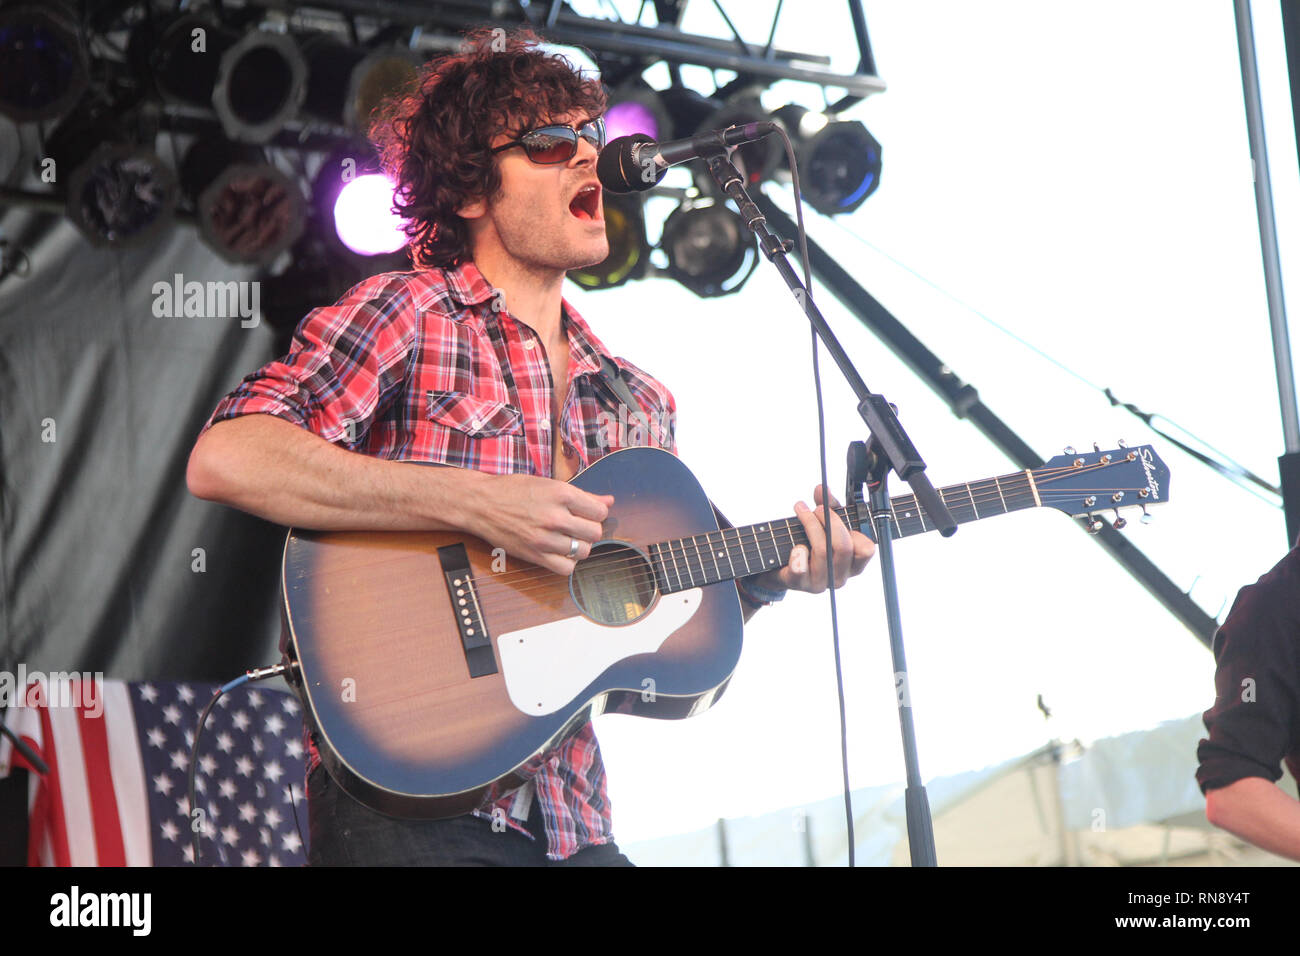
pixel 544 424
pixel 476 423
pixel 530 344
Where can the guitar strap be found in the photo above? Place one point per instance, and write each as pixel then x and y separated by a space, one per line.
pixel 612 376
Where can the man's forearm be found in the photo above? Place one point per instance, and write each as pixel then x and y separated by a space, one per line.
pixel 1259 812
pixel 272 468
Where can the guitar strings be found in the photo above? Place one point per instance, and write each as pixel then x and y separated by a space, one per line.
pixel 680 549
pixel 515 608
pixel 508 607
pixel 688 560
pixel 954 496
pixel 645 575
pixel 681 566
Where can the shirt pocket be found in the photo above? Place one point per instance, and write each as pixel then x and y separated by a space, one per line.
pixel 474 416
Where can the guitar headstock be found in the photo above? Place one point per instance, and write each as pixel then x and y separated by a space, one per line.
pixel 1085 484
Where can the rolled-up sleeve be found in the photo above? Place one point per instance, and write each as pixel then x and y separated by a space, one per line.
pixel 1252 725
pixel 346 364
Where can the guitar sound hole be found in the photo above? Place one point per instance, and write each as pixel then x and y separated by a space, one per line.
pixel 615 585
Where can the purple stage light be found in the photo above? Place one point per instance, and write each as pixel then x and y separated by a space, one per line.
pixel 628 117
pixel 364 219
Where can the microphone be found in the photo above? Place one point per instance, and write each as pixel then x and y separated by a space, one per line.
pixel 636 163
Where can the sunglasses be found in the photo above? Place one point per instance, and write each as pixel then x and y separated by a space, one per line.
pixel 558 144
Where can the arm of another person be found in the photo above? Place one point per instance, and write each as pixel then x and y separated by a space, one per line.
pixel 1259 812
pixel 1252 725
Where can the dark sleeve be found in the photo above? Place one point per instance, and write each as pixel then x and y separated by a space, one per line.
pixel 1252 725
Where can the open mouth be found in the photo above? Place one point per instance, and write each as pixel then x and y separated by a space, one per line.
pixel 586 205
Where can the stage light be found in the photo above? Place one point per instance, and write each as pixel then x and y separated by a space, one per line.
pixel 248 211
pixel 628 248
pixel 255 82
pixel 709 249
pixel 636 108
pixel 839 162
pixel 42 62
pixel 346 83
pixel 353 202
pixel 756 161
pixel 121 194
pixel 261 83
pixel 687 110
pixel 116 192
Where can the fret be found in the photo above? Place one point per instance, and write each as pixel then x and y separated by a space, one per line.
pixel 713 553
pixel 763 561
pixel 676 570
pixel 998 485
pixel 748 542
pixel 699 558
pixel 971 495
pixel 789 531
pixel 661 573
pixel 743 557
pixel 727 551
pixel 687 545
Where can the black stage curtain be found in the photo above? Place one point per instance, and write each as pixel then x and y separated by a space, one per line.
pixel 107 563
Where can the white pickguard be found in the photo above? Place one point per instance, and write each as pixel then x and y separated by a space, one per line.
pixel 546 666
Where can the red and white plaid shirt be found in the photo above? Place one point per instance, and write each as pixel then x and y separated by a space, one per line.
pixel 431 366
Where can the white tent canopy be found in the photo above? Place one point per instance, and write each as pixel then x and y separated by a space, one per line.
pixel 1125 800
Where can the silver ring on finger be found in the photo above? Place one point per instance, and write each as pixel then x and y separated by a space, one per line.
pixel 574 545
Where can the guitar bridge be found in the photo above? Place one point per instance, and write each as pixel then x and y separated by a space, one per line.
pixel 474 637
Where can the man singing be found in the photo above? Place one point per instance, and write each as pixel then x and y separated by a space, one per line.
pixel 473 360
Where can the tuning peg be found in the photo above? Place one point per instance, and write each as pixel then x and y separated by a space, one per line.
pixel 1147 517
pixel 1069 449
pixel 1122 443
pixel 1096 447
pixel 1092 524
pixel 1120 523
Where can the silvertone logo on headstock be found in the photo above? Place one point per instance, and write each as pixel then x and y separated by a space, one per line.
pixel 1148 465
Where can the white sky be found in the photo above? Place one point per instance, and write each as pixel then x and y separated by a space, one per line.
pixel 1082 176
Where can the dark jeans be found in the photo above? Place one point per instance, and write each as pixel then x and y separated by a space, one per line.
pixel 346 833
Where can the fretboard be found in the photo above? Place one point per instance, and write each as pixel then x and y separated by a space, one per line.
pixel 739 552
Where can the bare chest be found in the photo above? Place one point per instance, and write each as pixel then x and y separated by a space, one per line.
pixel 564 459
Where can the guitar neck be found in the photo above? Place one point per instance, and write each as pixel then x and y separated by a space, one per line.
pixel 684 563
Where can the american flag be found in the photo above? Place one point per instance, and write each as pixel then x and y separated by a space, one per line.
pixel 117 791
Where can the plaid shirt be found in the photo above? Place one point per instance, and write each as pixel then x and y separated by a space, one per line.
pixel 430 366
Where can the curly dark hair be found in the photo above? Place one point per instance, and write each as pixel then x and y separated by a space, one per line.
pixel 434 141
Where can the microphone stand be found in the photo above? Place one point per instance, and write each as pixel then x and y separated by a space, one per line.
pixel 889 448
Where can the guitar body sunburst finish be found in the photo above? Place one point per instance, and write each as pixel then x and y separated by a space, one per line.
pixel 384 670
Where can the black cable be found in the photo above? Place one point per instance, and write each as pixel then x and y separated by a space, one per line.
pixel 261 673
pixel 293 805
pixel 826 506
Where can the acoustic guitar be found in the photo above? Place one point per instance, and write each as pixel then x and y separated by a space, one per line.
pixel 434 665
